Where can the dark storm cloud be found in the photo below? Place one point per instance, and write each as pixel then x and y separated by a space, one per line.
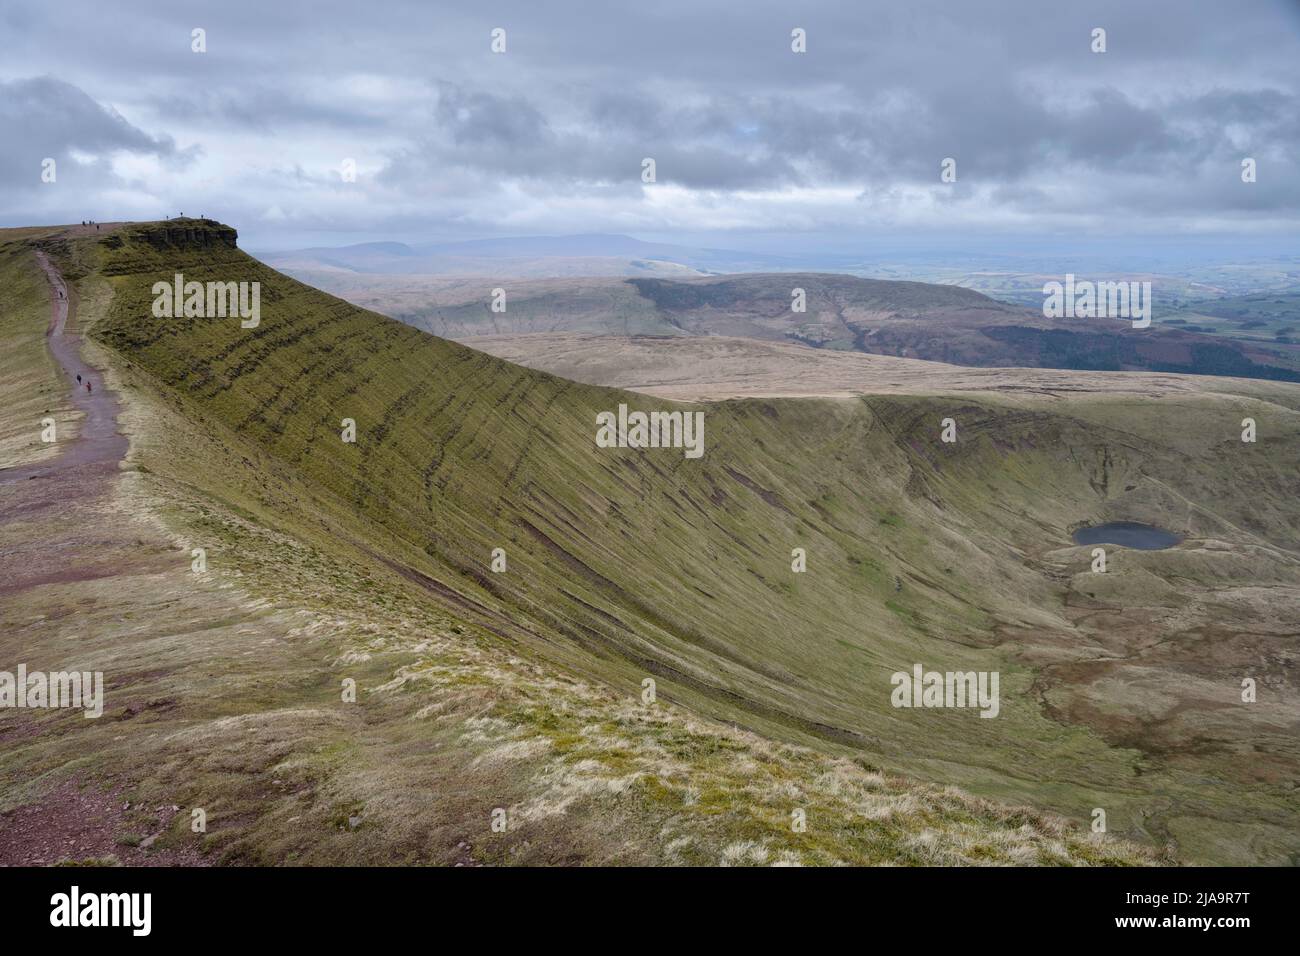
pixel 551 135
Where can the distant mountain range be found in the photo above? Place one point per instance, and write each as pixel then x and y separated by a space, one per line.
pixel 595 254
pixel 1180 275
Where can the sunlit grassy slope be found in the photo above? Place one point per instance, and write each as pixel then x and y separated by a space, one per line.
pixel 627 564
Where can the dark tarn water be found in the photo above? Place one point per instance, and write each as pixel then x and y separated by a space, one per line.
pixel 1128 534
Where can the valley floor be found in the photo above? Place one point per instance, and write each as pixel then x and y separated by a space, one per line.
pixel 719 367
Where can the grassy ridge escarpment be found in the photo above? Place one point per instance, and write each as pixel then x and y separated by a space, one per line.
pixel 223 693
pixel 626 564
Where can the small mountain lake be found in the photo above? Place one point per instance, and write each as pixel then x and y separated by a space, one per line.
pixel 1127 534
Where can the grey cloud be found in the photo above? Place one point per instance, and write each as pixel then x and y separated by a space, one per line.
pixel 1039 125
pixel 737 142
pixel 480 119
pixel 45 118
pixel 267 110
pixel 50 115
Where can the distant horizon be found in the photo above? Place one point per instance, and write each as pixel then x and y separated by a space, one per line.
pixel 1179 248
pixel 1188 248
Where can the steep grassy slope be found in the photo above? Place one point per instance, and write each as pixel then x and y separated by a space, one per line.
pixel 224 685
pixel 627 564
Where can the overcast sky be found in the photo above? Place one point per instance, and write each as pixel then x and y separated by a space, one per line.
pixel 753 143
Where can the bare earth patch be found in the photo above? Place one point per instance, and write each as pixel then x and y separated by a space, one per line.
pixel 76 823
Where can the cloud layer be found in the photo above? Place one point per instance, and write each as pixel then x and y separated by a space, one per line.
pixel 452 140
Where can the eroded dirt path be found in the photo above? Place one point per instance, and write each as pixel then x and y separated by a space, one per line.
pixel 77 565
pixel 83 824
pixel 98 446
pixel 76 483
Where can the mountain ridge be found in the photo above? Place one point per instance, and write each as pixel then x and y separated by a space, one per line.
pixel 627 564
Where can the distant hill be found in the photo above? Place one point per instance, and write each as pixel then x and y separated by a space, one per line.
pixel 942 323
